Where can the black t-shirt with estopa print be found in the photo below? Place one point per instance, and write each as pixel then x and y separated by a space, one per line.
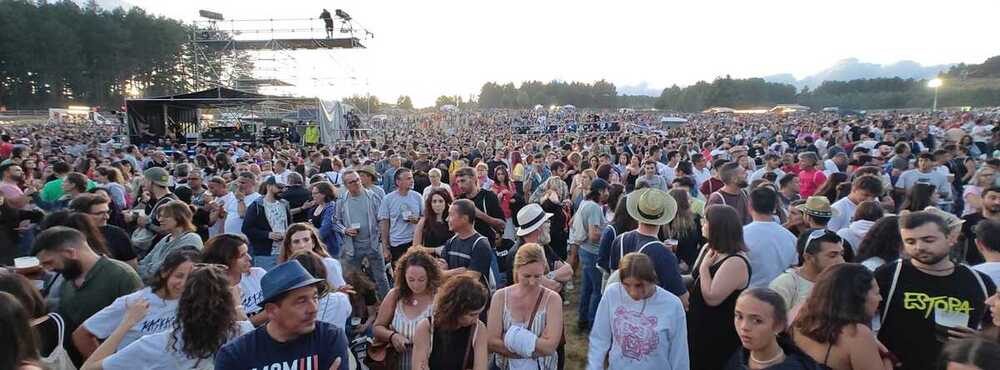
pixel 908 329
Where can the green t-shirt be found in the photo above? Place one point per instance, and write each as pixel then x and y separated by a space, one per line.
pixel 105 282
pixel 52 190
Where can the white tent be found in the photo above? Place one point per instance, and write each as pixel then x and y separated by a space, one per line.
pixel 332 125
pixel 666 119
pixel 449 108
pixel 569 106
pixel 539 107
pixel 719 110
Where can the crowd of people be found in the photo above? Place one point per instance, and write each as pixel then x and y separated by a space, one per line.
pixel 456 241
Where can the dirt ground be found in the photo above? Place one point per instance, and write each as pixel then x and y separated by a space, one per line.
pixel 576 342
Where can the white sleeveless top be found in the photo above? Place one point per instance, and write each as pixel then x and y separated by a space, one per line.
pixel 537 327
pixel 407 327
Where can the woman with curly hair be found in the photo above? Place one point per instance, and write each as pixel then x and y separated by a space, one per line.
pixel 882 244
pixel 163 290
pixel 208 316
pixel 408 303
pixel 832 326
pixel 453 338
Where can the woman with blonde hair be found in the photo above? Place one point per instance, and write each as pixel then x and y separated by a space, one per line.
pixel 973 193
pixel 302 236
pixel 525 319
pixel 408 303
pixel 434 175
pixel 684 231
pixel 553 199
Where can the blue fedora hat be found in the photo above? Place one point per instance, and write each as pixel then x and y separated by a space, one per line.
pixel 283 278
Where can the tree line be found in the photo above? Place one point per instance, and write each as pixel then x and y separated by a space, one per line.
pixel 876 93
pixel 55 54
pixel 600 94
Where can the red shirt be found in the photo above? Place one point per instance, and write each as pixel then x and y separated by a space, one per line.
pixel 5 149
pixel 810 181
pixel 504 195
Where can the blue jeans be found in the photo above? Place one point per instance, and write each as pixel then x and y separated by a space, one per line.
pixel 501 279
pixel 590 291
pixel 265 262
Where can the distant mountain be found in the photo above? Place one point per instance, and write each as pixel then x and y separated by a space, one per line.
pixel 642 88
pixel 988 69
pixel 852 69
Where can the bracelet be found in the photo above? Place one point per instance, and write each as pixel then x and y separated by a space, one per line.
pixel 391 335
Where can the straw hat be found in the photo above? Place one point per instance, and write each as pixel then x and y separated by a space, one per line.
pixel 651 206
pixel 818 206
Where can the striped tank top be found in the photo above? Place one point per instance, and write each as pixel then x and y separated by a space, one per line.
pixel 537 327
pixel 406 327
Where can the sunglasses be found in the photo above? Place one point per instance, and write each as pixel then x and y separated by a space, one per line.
pixel 815 234
pixel 198 266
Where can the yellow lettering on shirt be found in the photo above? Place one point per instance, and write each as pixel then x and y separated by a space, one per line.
pixel 926 303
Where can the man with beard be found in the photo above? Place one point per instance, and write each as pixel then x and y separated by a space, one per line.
pixel 489 217
pixel 734 180
pixel 989 211
pixel 928 299
pixel 11 176
pixel 533 227
pixel 88 282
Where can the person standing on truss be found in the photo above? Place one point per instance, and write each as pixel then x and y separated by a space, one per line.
pixel 328 19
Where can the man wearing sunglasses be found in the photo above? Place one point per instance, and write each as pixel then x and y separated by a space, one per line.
pixel 819 249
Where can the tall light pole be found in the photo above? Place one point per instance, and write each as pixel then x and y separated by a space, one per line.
pixel 934 84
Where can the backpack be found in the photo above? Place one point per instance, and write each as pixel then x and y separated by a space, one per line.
pixel 490 281
pixel 614 278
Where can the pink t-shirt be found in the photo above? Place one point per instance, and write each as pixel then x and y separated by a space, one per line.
pixel 810 181
pixel 10 191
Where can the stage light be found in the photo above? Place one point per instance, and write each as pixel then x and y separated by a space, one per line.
pixel 343 15
pixel 211 15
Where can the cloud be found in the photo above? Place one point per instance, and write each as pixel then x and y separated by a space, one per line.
pixel 852 68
